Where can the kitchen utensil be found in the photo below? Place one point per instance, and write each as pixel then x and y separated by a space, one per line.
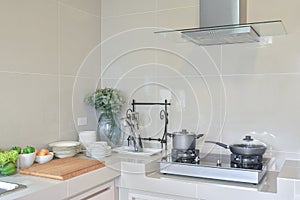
pixel 248 146
pixel 63 168
pixel 184 140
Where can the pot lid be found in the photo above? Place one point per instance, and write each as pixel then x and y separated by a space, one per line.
pixel 184 132
pixel 249 142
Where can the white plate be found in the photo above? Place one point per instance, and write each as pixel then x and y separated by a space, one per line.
pixel 64 144
pixel 129 151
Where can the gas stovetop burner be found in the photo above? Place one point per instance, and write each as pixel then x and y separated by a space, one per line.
pixel 247 166
pixel 185 156
pixel 246 161
pixel 215 166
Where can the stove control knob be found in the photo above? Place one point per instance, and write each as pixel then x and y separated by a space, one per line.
pixel 219 163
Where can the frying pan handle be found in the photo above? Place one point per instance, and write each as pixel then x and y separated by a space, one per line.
pixel 219 144
pixel 199 136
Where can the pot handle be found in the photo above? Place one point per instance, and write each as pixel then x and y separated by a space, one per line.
pixel 199 136
pixel 219 144
pixel 170 134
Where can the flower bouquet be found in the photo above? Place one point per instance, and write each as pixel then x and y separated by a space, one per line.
pixel 108 102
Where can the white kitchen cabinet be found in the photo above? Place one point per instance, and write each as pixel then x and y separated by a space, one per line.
pixel 129 194
pixel 133 196
pixel 102 192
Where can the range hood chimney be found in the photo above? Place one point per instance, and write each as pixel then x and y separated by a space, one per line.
pixel 220 12
pixel 225 22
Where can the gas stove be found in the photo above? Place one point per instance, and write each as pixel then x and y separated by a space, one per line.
pixel 217 166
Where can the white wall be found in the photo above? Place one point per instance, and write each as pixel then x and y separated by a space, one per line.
pixel 223 91
pixel 43 45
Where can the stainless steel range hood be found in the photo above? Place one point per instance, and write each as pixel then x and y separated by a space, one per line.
pixel 225 22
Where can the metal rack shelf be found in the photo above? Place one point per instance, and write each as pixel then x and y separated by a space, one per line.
pixel 163 116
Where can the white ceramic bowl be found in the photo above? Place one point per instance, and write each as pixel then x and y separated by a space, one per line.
pixel 26 160
pixel 44 159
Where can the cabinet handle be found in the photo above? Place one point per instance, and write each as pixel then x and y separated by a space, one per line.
pixel 95 194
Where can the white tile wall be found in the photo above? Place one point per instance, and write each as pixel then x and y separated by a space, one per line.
pixel 79 34
pixel 173 4
pixel 91 7
pixel 116 8
pixel 44 46
pixel 29 109
pixel 287 11
pixel 254 87
pixel 178 18
pixel 28 36
pixel 260 104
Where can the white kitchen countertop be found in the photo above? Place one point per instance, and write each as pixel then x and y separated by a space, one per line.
pixel 143 167
pixel 290 170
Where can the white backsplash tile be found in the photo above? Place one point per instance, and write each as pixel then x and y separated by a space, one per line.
pixel 256 59
pixel 113 8
pixel 139 63
pixel 187 59
pixel 28 36
pixel 288 12
pixel 118 25
pixel 124 46
pixel 178 18
pixel 72 93
pixel 171 4
pixel 28 118
pixel 79 35
pixel 260 104
pixel 90 66
pixel 91 7
pixel 77 89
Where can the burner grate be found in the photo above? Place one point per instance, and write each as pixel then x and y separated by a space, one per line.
pixel 208 167
pixel 185 156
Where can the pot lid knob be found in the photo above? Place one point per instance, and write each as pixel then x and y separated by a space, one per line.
pixel 184 131
pixel 248 138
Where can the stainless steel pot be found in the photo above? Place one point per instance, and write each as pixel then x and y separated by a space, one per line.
pixel 248 146
pixel 184 140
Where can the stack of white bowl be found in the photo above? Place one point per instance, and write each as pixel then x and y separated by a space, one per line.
pixel 87 137
pixel 98 150
pixel 64 149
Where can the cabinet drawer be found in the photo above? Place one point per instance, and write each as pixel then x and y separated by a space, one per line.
pixel 102 192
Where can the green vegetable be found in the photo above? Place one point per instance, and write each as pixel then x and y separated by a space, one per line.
pixel 28 149
pixel 10 172
pixel 8 169
pixel 17 148
pixel 8 156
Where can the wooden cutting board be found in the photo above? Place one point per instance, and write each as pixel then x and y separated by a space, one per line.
pixel 63 168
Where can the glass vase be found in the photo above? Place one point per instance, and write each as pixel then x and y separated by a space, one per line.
pixel 109 129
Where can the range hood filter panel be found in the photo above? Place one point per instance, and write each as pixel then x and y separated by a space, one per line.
pixel 225 35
